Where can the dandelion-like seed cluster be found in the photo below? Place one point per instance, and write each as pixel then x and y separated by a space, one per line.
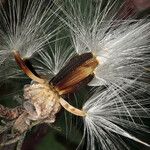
pixel 65 45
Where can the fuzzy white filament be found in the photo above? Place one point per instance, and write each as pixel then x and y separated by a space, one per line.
pixel 123 50
pixel 53 58
pixel 122 46
pixel 108 114
pixel 25 26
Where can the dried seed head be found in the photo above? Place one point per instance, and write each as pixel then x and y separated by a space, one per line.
pixel 21 124
pixel 9 113
pixel 43 102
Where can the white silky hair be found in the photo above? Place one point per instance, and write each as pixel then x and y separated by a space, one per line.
pixel 122 48
pixel 55 56
pixel 25 26
pixel 110 114
pixel 127 55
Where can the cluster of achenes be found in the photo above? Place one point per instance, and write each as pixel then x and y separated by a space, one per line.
pixel 76 44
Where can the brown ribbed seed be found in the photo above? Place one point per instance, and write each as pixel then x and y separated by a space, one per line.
pixel 78 72
pixel 10 113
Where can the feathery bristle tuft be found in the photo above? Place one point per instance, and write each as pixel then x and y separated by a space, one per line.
pixel 55 56
pixel 108 114
pixel 25 26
